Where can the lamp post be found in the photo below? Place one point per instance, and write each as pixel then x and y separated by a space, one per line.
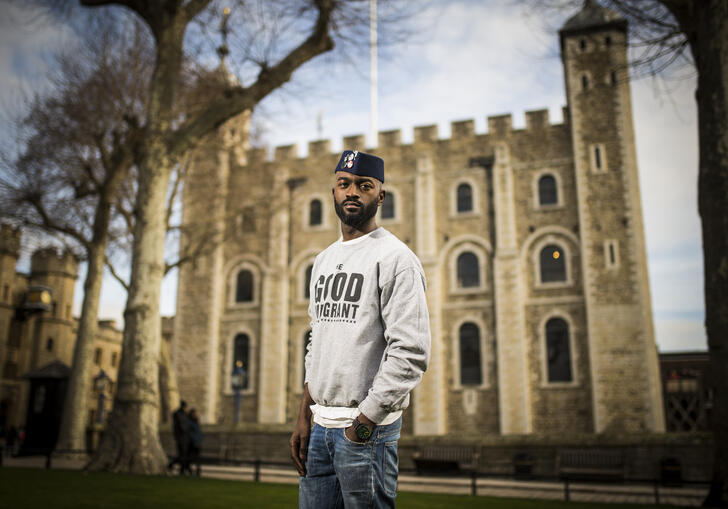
pixel 101 383
pixel 238 381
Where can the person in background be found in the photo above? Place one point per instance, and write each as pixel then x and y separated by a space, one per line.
pixel 195 445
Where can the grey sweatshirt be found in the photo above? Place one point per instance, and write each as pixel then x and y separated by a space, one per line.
pixel 370 329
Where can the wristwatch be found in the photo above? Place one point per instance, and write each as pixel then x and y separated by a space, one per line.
pixel 363 431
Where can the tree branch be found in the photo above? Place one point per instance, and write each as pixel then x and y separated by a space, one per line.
pixel 238 99
pixel 115 274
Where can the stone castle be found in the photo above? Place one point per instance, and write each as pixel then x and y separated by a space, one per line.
pixel 532 241
pixel 38 334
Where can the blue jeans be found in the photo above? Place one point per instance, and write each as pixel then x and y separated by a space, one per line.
pixel 341 473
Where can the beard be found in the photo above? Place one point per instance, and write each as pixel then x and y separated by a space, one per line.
pixel 356 219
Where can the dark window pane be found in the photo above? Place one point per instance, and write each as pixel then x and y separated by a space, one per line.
pixel 557 351
pixel 388 206
pixel 553 264
pixel 248 220
pixel 465 198
pixel 547 194
pixel 241 352
pixel 468 270
pixel 314 213
pixel 598 158
pixel 470 369
pixel 244 291
pixel 307 283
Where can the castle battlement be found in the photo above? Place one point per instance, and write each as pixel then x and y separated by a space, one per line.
pixel 51 260
pixel 498 126
pixel 10 238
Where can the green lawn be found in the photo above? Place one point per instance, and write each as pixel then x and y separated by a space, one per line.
pixel 22 488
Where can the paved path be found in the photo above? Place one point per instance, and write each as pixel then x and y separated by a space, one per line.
pixel 582 492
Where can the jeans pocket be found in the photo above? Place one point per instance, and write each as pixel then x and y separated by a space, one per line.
pixel 391 468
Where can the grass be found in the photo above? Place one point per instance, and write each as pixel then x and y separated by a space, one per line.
pixel 29 488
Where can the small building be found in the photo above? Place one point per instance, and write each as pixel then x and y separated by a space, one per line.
pixel 38 334
pixel 685 385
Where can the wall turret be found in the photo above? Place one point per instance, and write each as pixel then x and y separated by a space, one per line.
pixel 621 338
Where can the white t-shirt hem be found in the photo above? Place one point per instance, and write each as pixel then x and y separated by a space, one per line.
pixel 342 417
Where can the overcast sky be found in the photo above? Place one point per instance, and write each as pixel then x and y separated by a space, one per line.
pixel 475 59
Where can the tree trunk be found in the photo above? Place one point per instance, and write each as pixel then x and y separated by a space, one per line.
pixel 72 436
pixel 130 442
pixel 711 54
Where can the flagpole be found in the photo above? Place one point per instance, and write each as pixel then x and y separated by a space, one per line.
pixel 373 77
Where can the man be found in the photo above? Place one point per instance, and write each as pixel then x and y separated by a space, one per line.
pixel 370 345
pixel 181 424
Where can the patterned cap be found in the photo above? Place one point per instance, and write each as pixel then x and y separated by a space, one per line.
pixel 359 163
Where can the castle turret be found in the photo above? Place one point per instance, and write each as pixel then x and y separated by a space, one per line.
pixel 53 272
pixel 622 350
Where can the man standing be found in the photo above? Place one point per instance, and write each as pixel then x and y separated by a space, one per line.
pixel 181 424
pixel 370 345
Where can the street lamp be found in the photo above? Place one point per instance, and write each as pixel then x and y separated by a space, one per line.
pixel 101 383
pixel 238 381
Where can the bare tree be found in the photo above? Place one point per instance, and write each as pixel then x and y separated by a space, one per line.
pixel 78 151
pixel 695 32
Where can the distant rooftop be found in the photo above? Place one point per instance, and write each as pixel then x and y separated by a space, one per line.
pixel 592 15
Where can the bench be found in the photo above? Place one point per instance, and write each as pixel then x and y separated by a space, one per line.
pixel 591 465
pixel 444 459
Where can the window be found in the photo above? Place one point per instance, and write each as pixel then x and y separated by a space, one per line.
pixel 68 311
pixel 315 213
pixel 247 219
pixel 464 198
pixel 470 368
pixel 468 271
pixel 306 341
pixel 244 288
pixel 49 345
pixel 611 254
pixel 607 41
pixel 6 292
pixel 388 206
pixel 584 82
pixel 547 190
pixel 241 352
pixel 558 356
pixel 307 282
pixel 598 157
pixel 97 356
pixel 553 264
pixel 114 357
pixel 582 44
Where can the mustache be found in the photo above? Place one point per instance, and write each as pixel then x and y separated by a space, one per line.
pixel 354 202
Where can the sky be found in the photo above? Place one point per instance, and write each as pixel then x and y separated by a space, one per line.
pixel 472 59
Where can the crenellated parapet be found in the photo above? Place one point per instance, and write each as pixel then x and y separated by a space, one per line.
pixel 498 126
pixel 50 260
pixel 10 238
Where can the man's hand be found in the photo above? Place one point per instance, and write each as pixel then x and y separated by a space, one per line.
pixel 299 445
pixel 299 438
pixel 350 432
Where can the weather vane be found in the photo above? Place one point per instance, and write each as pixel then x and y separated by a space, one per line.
pixel 223 50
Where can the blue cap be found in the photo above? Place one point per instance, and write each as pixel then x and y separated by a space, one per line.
pixel 359 163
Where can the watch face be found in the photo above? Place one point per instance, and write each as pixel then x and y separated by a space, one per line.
pixel 363 432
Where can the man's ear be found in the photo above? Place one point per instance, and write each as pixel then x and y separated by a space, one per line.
pixel 382 194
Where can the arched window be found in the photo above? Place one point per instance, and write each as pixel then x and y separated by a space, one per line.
pixel 558 356
pixel 465 198
pixel 307 282
pixel 547 191
pixel 470 369
pixel 241 352
pixel 468 270
pixel 553 264
pixel 49 345
pixel 315 213
pixel 388 206
pixel 244 288
pixel 306 341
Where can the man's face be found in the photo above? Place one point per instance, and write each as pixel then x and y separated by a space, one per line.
pixel 356 198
